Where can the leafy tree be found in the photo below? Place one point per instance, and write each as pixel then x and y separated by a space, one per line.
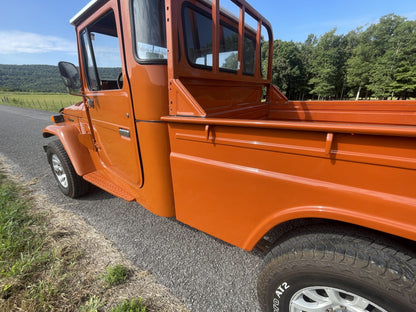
pixel 328 66
pixel 387 44
pixel 264 57
pixel 359 64
pixel 306 52
pixel 288 70
pixel 404 76
pixel 231 62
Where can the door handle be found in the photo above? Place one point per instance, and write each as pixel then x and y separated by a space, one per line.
pixel 124 132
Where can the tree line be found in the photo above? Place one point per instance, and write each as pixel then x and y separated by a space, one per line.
pixel 31 78
pixel 376 62
pixel 38 78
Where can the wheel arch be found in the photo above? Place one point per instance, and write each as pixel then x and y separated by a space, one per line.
pixel 291 228
pixel 289 219
pixel 77 152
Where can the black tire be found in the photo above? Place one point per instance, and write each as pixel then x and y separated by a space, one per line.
pixel 72 185
pixel 345 262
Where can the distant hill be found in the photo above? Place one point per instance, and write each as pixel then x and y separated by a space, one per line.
pixel 36 78
pixel 39 78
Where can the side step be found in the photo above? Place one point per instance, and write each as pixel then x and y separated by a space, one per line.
pixel 104 183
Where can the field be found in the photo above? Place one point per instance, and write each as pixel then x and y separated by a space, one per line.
pixel 37 100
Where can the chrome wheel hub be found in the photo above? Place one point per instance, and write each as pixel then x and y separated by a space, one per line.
pixel 329 299
pixel 59 171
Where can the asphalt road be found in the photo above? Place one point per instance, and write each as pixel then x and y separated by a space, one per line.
pixel 205 273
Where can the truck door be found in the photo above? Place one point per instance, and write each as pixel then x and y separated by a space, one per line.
pixel 106 85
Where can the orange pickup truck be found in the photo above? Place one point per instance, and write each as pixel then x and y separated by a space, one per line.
pixel 177 114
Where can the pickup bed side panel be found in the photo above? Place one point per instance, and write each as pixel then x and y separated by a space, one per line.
pixel 237 183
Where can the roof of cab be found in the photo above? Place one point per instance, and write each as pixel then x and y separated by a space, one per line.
pixel 86 11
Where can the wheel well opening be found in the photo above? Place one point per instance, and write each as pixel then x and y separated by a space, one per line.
pixel 47 134
pixel 292 228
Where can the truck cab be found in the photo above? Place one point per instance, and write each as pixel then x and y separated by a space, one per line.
pixel 177 112
pixel 124 85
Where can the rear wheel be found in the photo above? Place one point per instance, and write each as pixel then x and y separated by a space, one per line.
pixel 69 182
pixel 337 271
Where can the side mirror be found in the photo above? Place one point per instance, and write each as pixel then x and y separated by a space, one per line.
pixel 70 77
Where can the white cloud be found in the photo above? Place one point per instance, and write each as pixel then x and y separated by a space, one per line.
pixel 25 42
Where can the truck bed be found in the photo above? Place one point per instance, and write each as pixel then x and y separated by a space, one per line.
pixel 363 112
pixel 237 100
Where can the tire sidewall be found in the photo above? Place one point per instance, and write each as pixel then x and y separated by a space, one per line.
pixel 283 286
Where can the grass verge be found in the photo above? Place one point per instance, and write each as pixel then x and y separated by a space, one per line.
pixel 36 274
pixel 52 260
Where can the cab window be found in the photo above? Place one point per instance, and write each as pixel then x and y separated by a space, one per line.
pixel 101 54
pixel 149 30
pixel 198 41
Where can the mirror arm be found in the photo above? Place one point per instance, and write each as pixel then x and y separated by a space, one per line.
pixel 87 99
pixel 90 101
pixel 72 93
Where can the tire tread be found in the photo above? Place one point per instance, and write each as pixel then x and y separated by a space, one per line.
pixel 365 254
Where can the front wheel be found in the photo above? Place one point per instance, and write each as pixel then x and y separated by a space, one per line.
pixel 337 271
pixel 69 182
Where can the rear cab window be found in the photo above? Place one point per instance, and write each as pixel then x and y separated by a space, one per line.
pixel 149 31
pixel 197 25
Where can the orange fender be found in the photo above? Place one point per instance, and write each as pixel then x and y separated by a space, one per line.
pixel 77 152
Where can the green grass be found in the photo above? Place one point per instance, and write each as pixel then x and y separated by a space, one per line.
pixel 116 275
pixel 132 305
pixel 33 274
pixel 37 100
pixel 21 244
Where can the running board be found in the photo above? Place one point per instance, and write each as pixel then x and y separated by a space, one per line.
pixel 104 183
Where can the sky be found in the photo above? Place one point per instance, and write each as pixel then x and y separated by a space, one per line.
pixel 38 31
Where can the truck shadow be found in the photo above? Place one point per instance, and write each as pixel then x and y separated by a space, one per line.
pixel 96 194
